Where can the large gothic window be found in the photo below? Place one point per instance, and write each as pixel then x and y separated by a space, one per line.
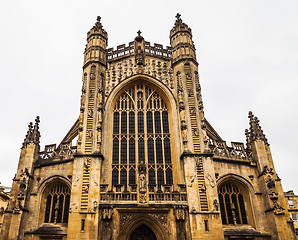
pixel 141 136
pixel 232 205
pixel 57 204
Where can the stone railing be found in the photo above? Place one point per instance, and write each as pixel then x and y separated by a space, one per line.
pixel 162 195
pixel 156 50
pixel 121 51
pixel 64 151
pixel 235 152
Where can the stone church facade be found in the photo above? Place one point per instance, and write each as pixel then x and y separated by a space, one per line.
pixel 146 164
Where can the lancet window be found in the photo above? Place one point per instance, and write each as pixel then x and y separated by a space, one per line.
pixel 57 204
pixel 141 136
pixel 232 205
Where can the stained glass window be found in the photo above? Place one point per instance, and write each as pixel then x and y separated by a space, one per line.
pixel 141 135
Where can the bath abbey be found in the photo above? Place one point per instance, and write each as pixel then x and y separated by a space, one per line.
pixel 142 161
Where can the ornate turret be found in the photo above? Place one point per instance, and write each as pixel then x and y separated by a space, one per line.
pixel 181 41
pixel 97 41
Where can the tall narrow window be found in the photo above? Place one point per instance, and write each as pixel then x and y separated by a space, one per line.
pixel 57 204
pixel 232 206
pixel 141 134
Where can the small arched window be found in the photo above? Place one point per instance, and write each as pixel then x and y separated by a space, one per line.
pixel 141 136
pixel 57 204
pixel 232 205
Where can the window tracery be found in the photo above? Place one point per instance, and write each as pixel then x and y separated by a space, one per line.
pixel 57 204
pixel 232 205
pixel 141 135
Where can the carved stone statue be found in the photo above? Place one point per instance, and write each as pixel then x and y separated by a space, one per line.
pixel 139 56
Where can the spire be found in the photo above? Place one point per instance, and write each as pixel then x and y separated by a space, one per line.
pixel 255 131
pixel 33 134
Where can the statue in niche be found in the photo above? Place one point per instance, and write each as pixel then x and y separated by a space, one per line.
pixel 92 76
pixel 84 83
pixel 99 140
pixel 215 205
pixel 142 182
pixel 90 112
pixel 83 100
pixel 91 94
pixel 184 135
pixel 182 116
pixel 139 56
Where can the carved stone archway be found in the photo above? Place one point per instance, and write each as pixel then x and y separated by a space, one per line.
pixel 143 233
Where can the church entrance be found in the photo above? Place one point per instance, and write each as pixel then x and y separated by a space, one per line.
pixel 143 233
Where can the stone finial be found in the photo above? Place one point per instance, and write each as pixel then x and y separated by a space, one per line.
pixel 28 136
pixel 35 132
pixel 97 28
pixel 255 131
pixel 179 25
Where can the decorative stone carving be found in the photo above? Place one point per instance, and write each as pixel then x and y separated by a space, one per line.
pixel 107 212
pixel 211 181
pixel 191 179
pixel 142 183
pixel 83 100
pixel 124 218
pixel 84 82
pixel 75 182
pixel 94 206
pixel 139 56
pixel 179 212
pixel 117 72
pixel 162 218
pixel 277 209
pixel 202 187
pixel 215 205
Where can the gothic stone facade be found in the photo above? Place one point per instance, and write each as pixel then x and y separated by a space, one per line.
pixel 147 164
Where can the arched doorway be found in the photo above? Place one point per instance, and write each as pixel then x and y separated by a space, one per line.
pixel 143 233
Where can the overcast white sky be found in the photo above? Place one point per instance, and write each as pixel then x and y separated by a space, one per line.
pixel 247 51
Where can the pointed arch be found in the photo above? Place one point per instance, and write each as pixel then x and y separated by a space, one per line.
pixel 236 195
pixel 171 117
pixel 54 200
pixel 143 220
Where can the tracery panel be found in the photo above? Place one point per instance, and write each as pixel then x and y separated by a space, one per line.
pixel 57 205
pixel 141 135
pixel 232 205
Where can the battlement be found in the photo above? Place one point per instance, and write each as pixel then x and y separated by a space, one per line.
pixel 156 50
